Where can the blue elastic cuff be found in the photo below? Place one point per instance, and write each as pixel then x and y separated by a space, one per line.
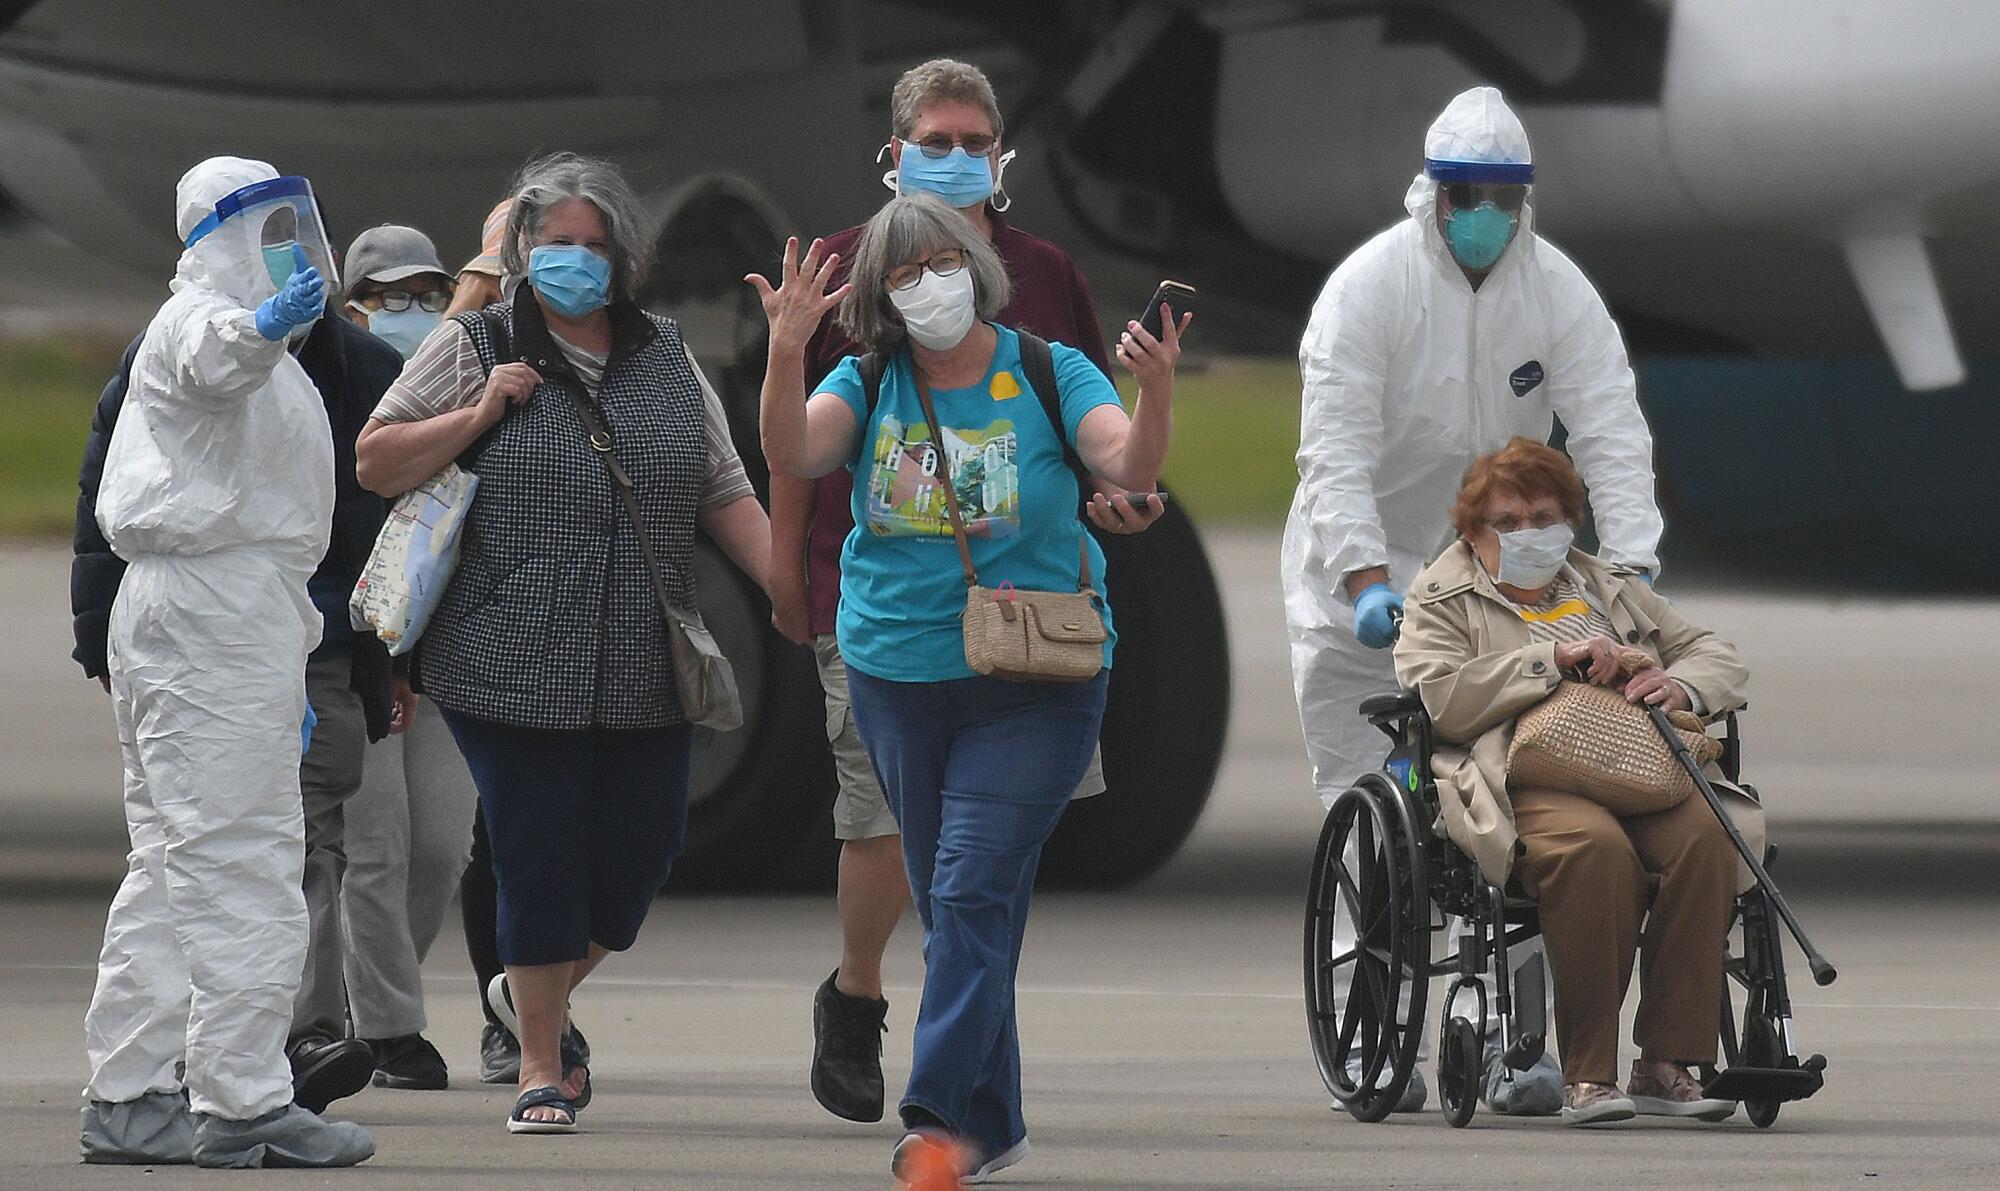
pixel 1518 173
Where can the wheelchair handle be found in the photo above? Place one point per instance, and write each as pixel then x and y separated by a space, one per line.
pixel 1823 973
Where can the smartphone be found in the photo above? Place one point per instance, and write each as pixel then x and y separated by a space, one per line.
pixel 1179 298
pixel 1138 499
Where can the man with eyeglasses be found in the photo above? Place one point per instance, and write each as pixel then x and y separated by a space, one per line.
pixel 946 139
pixel 1435 342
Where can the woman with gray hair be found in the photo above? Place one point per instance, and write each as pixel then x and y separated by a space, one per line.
pixel 548 653
pixel 978 769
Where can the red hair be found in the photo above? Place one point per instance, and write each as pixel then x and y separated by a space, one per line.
pixel 1524 467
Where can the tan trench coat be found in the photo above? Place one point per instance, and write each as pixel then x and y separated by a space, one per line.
pixel 1466 651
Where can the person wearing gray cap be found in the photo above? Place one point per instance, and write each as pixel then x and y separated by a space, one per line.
pixel 409 827
pixel 397 287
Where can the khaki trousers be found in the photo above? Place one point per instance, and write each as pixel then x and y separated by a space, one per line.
pixel 1594 876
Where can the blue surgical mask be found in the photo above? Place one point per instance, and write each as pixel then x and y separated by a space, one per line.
pixel 571 279
pixel 1478 237
pixel 278 262
pixel 958 177
pixel 403 330
pixel 1531 558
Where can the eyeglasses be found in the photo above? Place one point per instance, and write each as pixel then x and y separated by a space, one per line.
pixel 396 301
pixel 1463 196
pixel 944 264
pixel 940 144
pixel 1514 524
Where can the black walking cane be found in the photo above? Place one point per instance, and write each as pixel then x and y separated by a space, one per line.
pixel 1822 971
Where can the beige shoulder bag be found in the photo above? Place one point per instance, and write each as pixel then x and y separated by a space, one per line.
pixel 1024 636
pixel 1588 740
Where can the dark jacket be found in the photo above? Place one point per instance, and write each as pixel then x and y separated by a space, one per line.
pixel 351 369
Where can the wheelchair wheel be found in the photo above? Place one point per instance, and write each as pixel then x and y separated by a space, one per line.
pixel 1367 949
pixel 1760 1049
pixel 1459 1069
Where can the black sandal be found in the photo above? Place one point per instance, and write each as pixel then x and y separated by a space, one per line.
pixel 548 1096
pixel 582 1099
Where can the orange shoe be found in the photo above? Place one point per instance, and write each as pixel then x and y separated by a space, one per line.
pixel 928 1160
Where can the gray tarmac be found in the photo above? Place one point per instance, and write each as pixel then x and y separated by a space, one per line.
pixel 1162 1026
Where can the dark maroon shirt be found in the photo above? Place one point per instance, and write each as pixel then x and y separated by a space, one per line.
pixel 1050 300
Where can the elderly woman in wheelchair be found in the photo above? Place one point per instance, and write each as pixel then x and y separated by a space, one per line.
pixel 1495 625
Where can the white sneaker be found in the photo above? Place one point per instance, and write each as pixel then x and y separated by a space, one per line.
pixel 997 1163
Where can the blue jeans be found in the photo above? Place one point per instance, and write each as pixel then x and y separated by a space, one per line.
pixel 978 772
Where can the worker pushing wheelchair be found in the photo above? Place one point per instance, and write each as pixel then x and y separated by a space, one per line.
pixel 1550 782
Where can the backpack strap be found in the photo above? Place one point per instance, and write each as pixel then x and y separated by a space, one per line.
pixel 1039 363
pixel 870 367
pixel 500 337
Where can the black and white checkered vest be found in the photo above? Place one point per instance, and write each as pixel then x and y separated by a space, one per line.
pixel 550 620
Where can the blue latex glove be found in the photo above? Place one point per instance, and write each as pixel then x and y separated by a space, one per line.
pixel 1374 619
pixel 295 305
pixel 306 731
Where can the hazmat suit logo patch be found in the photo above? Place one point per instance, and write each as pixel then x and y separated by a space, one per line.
pixel 1525 378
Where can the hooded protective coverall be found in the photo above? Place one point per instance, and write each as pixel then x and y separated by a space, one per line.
pixel 218 491
pixel 1409 375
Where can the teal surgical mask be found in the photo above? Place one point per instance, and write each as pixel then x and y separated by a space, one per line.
pixel 1478 236
pixel 278 262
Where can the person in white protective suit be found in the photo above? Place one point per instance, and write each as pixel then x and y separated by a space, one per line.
pixel 218 493
pixel 1435 342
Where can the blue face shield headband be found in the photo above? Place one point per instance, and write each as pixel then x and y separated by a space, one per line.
pixel 254 195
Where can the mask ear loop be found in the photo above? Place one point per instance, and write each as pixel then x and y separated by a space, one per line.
pixel 1001 200
pixel 889 179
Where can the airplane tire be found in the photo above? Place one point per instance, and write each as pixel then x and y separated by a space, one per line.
pixel 1167 713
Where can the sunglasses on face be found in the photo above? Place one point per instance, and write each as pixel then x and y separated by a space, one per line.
pixel 396 301
pixel 940 144
pixel 1463 196
pixel 944 264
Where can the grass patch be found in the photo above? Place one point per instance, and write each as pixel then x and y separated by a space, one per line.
pixel 1236 430
pixel 48 388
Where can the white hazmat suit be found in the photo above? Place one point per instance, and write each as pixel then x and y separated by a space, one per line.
pixel 1409 375
pixel 218 491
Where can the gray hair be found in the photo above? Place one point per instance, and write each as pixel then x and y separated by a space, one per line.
pixel 908 227
pixel 546 182
pixel 941 80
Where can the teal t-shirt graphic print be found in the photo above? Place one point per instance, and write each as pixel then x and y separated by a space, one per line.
pixel 905 496
pixel 902 590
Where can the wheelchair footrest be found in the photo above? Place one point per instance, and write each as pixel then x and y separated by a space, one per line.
pixel 1771 1084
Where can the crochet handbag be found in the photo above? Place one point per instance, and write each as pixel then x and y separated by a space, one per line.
pixel 1588 740
pixel 1025 636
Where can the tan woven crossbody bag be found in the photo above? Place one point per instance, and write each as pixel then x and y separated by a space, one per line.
pixel 1589 741
pixel 1024 636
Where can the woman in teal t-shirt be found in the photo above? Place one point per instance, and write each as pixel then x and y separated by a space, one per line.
pixel 977 769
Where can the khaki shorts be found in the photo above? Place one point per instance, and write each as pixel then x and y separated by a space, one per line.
pixel 860 810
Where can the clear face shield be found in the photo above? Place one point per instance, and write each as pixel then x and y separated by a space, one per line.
pixel 264 222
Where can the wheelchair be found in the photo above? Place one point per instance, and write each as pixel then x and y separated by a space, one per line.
pixel 1385 880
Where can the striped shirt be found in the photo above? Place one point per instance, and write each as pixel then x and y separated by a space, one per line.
pixel 1565 612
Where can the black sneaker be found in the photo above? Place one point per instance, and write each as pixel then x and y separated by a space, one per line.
pixel 409 1062
pixel 499 1055
pixel 327 1069
pixel 847 1053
